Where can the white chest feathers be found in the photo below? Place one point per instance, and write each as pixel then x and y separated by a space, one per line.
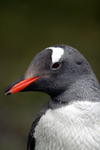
pixel 73 127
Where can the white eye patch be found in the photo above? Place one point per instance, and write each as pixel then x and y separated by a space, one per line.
pixel 57 53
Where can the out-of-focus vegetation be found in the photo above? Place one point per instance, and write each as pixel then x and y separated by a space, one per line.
pixel 27 27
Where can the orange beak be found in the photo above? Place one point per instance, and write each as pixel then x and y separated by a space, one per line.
pixel 20 85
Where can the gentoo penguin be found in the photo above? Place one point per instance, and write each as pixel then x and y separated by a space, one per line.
pixel 71 119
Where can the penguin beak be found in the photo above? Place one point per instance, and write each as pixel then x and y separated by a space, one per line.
pixel 19 85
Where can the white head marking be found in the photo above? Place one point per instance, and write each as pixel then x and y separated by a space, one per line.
pixel 57 52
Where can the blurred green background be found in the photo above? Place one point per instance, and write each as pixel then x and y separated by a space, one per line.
pixel 27 27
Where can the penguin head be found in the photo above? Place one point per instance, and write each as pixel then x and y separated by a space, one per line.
pixel 52 71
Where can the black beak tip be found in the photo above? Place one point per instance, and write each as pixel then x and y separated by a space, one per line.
pixel 7 91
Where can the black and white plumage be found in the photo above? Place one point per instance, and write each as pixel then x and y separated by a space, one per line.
pixel 71 119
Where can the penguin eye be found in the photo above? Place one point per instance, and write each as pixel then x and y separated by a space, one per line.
pixel 55 65
pixel 78 62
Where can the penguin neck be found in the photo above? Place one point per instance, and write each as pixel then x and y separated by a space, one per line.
pixel 87 89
